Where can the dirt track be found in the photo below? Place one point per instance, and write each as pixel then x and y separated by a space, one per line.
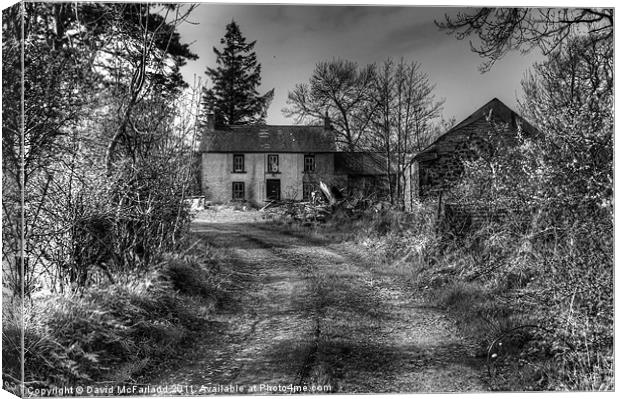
pixel 307 314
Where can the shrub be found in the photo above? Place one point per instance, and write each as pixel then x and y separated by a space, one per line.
pixel 106 332
pixel 551 261
pixel 193 275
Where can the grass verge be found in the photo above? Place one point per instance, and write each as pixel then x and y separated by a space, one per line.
pixel 111 333
pixel 539 306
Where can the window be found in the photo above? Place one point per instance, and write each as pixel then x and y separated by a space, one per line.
pixel 238 190
pixel 273 163
pixel 309 163
pixel 308 188
pixel 238 163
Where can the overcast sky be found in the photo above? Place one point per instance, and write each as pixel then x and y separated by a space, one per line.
pixel 291 39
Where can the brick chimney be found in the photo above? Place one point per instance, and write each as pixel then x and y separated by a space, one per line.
pixel 211 122
pixel 327 122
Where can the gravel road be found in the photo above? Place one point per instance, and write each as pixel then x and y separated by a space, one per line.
pixel 318 316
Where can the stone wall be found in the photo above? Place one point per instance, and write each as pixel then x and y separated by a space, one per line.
pixel 442 169
pixel 435 171
pixel 461 218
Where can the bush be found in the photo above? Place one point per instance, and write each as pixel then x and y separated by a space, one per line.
pixel 548 298
pixel 533 289
pixel 551 262
pixel 194 276
pixel 534 281
pixel 110 332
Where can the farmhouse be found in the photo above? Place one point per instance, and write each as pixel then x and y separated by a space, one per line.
pixel 260 163
pixel 439 166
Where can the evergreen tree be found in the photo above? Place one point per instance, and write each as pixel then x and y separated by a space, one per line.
pixel 233 95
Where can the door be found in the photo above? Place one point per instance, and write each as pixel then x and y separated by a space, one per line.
pixel 273 189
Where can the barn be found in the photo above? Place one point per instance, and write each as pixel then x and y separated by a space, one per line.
pixel 439 166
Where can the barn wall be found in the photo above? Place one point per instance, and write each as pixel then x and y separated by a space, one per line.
pixel 412 185
pixel 459 218
pixel 442 168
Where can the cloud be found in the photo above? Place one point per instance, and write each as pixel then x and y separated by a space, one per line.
pixel 342 18
pixel 292 39
pixel 323 18
pixel 414 36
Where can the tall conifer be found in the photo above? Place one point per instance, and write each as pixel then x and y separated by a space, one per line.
pixel 232 94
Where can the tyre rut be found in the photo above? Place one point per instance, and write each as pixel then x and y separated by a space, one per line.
pixel 307 314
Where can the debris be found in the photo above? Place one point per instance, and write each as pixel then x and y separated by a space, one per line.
pixel 198 203
pixel 323 204
pixel 269 204
pixel 328 193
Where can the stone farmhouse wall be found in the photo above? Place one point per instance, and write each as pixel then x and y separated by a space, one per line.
pixel 218 176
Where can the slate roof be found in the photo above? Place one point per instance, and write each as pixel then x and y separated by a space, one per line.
pixel 498 109
pixel 269 138
pixel 360 163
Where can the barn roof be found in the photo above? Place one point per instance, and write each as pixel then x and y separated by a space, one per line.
pixel 269 138
pixel 360 163
pixel 494 107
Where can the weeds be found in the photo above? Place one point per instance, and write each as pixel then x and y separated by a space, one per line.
pixel 113 332
pixel 537 301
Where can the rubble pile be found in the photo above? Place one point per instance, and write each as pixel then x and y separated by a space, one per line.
pixel 324 204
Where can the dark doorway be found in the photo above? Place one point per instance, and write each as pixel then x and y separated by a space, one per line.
pixel 273 189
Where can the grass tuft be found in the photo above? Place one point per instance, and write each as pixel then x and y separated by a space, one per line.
pixel 114 332
pixel 537 300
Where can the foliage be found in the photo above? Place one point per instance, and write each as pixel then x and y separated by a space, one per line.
pixel 104 148
pixel 104 171
pixel 539 307
pixel 549 259
pixel 233 96
pixel 531 279
pixel 570 98
pixel 113 331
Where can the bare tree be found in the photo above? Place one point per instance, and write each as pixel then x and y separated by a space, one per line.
pixel 384 88
pixel 405 120
pixel 146 40
pixel 341 90
pixel 500 30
